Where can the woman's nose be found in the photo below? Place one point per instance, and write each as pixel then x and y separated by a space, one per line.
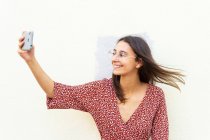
pixel 115 57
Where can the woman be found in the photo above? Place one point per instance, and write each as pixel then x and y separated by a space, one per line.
pixel 127 106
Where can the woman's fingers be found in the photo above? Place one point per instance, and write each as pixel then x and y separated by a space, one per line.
pixel 20 51
pixel 21 41
pixel 21 38
pixel 21 44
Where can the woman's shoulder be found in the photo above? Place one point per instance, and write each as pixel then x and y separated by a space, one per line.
pixel 101 82
pixel 156 91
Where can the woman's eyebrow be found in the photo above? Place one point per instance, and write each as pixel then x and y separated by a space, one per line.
pixel 122 51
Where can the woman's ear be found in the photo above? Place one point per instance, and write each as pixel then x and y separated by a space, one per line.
pixel 139 63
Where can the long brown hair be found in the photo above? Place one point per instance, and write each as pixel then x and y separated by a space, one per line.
pixel 150 72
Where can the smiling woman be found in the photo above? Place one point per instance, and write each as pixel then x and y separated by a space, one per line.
pixel 126 106
pixel 146 69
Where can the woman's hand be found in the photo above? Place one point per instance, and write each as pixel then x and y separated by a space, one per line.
pixel 26 55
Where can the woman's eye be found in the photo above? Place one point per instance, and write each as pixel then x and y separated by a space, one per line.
pixel 122 55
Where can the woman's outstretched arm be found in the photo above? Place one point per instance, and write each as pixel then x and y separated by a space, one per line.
pixel 46 83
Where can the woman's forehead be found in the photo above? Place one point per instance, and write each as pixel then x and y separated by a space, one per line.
pixel 123 46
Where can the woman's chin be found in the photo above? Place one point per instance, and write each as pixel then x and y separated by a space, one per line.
pixel 117 73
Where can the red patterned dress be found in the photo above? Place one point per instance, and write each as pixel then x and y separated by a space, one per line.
pixel 99 99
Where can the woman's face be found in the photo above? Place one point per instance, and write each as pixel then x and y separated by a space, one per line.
pixel 123 60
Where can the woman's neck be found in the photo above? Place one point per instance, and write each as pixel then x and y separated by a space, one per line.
pixel 130 84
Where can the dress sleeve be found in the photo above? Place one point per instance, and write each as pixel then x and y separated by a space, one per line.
pixel 160 123
pixel 78 97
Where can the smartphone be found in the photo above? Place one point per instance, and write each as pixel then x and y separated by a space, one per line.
pixel 28 41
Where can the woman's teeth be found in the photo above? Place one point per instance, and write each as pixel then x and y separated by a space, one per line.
pixel 117 66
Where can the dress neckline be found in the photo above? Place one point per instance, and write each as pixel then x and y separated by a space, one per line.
pixel 136 110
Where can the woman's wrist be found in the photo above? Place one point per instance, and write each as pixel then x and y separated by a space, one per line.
pixel 31 61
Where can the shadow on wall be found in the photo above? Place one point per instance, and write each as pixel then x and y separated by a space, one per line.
pixel 103 67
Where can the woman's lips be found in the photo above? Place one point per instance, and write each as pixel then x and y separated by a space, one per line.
pixel 117 66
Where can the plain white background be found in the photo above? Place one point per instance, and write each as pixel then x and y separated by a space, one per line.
pixel 69 35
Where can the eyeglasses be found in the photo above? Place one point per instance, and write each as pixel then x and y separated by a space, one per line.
pixel 120 55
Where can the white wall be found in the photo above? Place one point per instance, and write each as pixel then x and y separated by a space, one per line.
pixel 68 36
